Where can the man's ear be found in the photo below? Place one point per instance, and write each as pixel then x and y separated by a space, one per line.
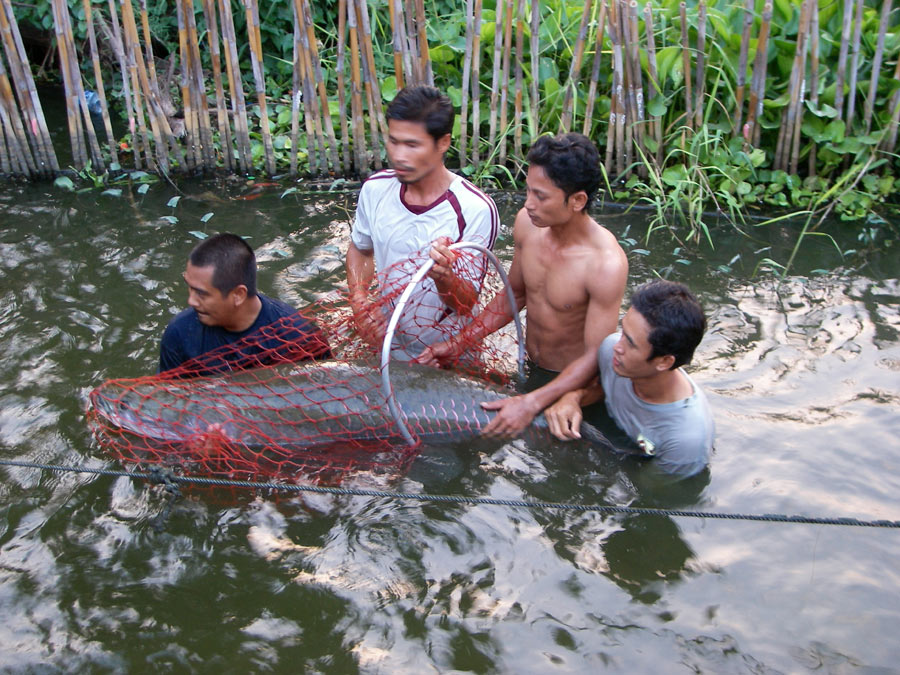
pixel 238 295
pixel 578 200
pixel 443 143
pixel 664 362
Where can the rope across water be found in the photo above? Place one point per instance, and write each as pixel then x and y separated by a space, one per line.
pixel 167 478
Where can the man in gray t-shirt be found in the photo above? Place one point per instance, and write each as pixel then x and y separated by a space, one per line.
pixel 646 392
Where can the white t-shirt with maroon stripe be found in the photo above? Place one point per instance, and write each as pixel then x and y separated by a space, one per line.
pixel 397 231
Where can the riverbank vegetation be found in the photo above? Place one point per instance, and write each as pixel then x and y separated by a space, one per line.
pixel 720 107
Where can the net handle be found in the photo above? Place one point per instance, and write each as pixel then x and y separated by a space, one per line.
pixel 398 311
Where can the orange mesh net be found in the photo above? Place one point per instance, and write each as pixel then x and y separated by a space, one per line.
pixel 286 403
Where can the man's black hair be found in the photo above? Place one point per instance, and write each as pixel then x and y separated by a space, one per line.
pixel 232 260
pixel 675 316
pixel 571 161
pixel 426 105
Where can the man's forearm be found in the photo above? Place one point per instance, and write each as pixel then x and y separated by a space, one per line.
pixel 577 375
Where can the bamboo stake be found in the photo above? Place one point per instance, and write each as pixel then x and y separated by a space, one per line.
pixel 303 93
pixel 98 80
pixel 876 65
pixel 799 106
pixel 395 8
pixel 700 79
pixel 409 12
pixel 359 131
pixel 813 76
pixel 259 78
pixel 568 114
pixel 535 125
pixel 595 71
pixel 613 97
pixel 20 157
pixel 424 54
pixel 366 46
pixel 466 76
pixel 476 85
pixel 785 132
pixel 303 71
pixel 212 27
pixel 741 80
pixel 842 58
pixel 79 152
pixel 235 86
pixel 655 120
pixel 191 118
pixel 29 103
pixel 517 105
pixel 342 93
pixel 758 86
pixel 638 84
pixel 115 38
pixel 140 83
pixel 631 116
pixel 198 89
pixel 6 165
pixel 618 109
pixel 854 66
pixel 497 66
pixel 369 82
pixel 320 86
pixel 295 100
pixel 890 141
pixel 686 60
pixel 504 82
pixel 146 73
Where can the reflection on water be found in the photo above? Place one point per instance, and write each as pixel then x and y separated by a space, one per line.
pixel 802 376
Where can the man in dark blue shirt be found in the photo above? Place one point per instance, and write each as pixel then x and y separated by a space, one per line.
pixel 228 325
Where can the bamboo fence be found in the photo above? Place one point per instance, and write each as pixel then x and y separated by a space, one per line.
pixel 611 87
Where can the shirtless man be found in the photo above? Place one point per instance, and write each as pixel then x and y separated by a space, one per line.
pixel 568 270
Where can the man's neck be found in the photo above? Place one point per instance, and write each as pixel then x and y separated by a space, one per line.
pixel 665 387
pixel 246 316
pixel 573 229
pixel 429 188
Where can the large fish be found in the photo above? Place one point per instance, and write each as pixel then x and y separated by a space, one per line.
pixel 306 406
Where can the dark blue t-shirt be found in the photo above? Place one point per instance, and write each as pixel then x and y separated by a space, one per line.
pixel 285 335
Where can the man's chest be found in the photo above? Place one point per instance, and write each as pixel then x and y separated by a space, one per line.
pixel 553 279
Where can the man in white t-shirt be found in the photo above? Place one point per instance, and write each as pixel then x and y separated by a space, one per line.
pixel 417 205
pixel 646 392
